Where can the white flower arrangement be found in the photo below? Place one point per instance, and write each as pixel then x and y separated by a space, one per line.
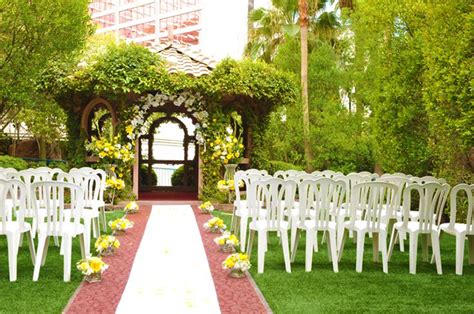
pixel 227 242
pixel 238 262
pixel 131 208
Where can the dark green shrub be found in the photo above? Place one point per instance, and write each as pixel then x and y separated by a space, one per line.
pixel 12 162
pixel 145 179
pixel 177 179
pixel 275 165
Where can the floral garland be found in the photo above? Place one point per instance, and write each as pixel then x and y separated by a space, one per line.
pixel 192 102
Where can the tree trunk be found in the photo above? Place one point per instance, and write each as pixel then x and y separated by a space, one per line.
pixel 303 10
pixel 42 149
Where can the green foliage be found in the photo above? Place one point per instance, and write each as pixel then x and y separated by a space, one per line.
pixel 275 165
pixel 32 33
pixel 412 71
pixel 145 179
pixel 13 162
pixel 177 179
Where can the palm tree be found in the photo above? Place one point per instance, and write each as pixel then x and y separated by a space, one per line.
pixel 274 24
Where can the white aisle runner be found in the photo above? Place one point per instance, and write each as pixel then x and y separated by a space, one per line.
pixel 170 273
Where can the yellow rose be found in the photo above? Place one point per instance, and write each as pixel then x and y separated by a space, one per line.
pixel 84 266
pixel 116 244
pixel 96 264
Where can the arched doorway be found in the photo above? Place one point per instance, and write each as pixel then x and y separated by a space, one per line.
pixel 168 156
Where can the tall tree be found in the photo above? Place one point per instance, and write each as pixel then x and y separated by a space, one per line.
pixel 304 20
pixel 31 34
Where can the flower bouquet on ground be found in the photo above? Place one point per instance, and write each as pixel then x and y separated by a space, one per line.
pixel 227 242
pixel 92 268
pixel 206 207
pixel 120 225
pixel 106 245
pixel 228 187
pixel 238 264
pixel 131 208
pixel 215 225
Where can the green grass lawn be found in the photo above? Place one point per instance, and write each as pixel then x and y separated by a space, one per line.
pixel 323 291
pixel 49 294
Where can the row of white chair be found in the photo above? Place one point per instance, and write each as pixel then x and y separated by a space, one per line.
pixel 432 199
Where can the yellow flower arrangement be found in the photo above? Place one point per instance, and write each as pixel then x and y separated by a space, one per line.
pixel 91 265
pixel 206 207
pixel 215 225
pixel 131 208
pixel 227 146
pixel 106 244
pixel 115 183
pixel 120 224
pixel 225 186
pixel 227 242
pixel 237 262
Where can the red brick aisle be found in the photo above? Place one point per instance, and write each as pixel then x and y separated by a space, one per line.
pixel 105 296
pixel 235 295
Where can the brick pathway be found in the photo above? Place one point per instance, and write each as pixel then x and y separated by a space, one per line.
pixel 234 295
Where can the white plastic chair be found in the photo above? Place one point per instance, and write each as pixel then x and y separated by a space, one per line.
pixel 241 215
pixel 430 195
pixel 59 221
pixel 270 195
pixel 283 174
pixel 317 199
pixel 28 177
pixel 461 230
pixel 13 226
pixel 373 198
pixel 103 179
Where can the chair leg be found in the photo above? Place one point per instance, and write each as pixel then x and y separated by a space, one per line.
pixel 383 248
pixel 95 227
pixel 20 244
pixel 413 251
pixel 250 244
pixel 340 230
pixel 424 246
pixel 360 250
pixel 243 232
pixel 471 249
pixel 45 252
pixel 310 235
pixel 67 258
pixel 341 244
pixel 294 245
pixel 39 255
pixel 294 230
pixel 104 218
pixel 87 235
pixel 316 247
pixel 237 226
pixel 437 252
pixel 333 252
pixel 12 240
pixel 393 239
pixel 286 249
pixel 459 252
pixel 401 239
pixel 261 251
pixel 31 246
pixel 83 247
pixel 375 246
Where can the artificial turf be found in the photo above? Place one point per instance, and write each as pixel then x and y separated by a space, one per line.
pixel 372 291
pixel 49 294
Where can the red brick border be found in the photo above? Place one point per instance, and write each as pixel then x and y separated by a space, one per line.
pixel 234 295
pixel 104 297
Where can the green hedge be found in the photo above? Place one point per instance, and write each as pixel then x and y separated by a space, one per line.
pixel 13 162
pixel 275 165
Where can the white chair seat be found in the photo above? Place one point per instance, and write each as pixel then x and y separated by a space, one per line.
pixel 457 228
pixel 363 225
pixel 14 226
pixel 68 229
pixel 244 212
pixel 412 226
pixel 414 215
pixel 263 225
pixel 311 224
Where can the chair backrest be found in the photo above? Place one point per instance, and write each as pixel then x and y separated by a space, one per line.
pixel 100 172
pixel 351 180
pixel 271 195
pixel 432 198
pixel 90 184
pixel 28 177
pixel 52 171
pixel 401 182
pixel 373 198
pixel 455 191
pixel 283 174
pixel 54 195
pixel 327 173
pixel 240 176
pixel 8 170
pixel 427 179
pixel 323 196
pixel 15 192
pixel 256 171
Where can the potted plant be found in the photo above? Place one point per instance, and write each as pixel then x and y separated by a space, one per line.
pixel 106 245
pixel 206 207
pixel 92 268
pixel 120 225
pixel 215 225
pixel 238 264
pixel 227 242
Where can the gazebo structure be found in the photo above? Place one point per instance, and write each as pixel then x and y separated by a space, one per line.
pixel 184 88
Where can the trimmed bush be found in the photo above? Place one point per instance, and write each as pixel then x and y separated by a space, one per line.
pixel 177 179
pixel 275 165
pixel 12 162
pixel 144 179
